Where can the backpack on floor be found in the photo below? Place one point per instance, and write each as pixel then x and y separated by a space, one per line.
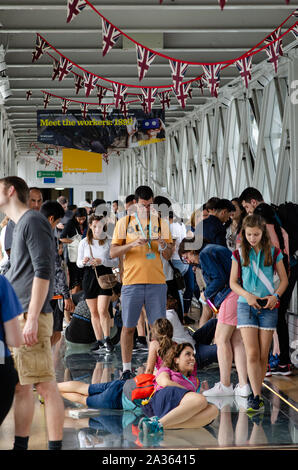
pixel 139 388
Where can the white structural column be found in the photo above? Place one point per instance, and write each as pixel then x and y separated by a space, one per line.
pixel 293 121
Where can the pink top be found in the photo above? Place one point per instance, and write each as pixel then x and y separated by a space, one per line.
pixel 191 382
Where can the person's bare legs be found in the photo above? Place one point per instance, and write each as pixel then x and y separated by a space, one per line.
pixel 250 338
pixel 103 302
pixel 23 409
pixel 95 319
pixel 126 342
pixel 54 409
pixel 192 412
pixel 74 391
pixel 223 334
pixel 205 316
pixel 239 357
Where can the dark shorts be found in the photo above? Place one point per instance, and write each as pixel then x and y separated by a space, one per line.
pixel 90 285
pixel 163 401
pixel 58 314
pixel 106 395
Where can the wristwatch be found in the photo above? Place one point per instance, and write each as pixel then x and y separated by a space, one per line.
pixel 276 295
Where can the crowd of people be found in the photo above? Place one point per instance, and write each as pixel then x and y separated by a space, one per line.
pixel 135 268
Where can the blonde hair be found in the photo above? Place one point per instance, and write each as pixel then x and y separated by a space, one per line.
pixel 162 331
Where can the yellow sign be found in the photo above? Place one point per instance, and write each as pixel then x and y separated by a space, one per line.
pixel 79 161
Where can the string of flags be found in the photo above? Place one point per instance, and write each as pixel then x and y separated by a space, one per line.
pixel 182 90
pixel 222 3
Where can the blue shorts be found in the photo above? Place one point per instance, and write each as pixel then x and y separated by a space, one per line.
pixel 263 319
pixel 133 297
pixel 106 395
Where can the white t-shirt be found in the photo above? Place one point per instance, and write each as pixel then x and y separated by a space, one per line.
pixel 180 334
pixel 98 251
pixel 178 232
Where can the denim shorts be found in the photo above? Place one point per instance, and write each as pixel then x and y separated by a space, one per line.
pixel 264 319
pixel 106 395
pixel 152 296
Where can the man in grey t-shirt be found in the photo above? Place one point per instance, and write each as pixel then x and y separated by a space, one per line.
pixel 32 276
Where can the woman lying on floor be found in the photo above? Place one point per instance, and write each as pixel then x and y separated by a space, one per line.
pixel 175 403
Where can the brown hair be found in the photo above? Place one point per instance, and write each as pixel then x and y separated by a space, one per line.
pixel 162 331
pixel 173 353
pixel 89 234
pixel 19 185
pixel 256 221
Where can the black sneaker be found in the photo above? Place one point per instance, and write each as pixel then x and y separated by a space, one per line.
pixel 187 320
pixel 97 347
pixel 282 370
pixel 126 375
pixel 109 347
pixel 255 404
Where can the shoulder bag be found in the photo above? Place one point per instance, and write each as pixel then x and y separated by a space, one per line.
pixel 105 281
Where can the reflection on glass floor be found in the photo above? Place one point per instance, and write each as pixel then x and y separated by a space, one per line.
pixel 107 429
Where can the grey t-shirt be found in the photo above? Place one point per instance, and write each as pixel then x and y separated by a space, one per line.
pixel 32 255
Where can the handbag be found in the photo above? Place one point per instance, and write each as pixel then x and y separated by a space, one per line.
pixel 178 278
pixel 105 281
pixel 72 248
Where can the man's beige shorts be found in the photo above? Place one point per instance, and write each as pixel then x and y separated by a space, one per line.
pixel 35 363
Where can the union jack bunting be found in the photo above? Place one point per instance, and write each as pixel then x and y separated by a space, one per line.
pixel 211 77
pixel 119 92
pixel 46 100
pixel 244 67
pixel 40 46
pixel 165 100
pixel 143 103
pixel 200 84
pixel 178 72
pixel 104 109
pixel 124 109
pixel 74 7
pixel 64 106
pixel 101 91
pixel 89 83
pixel 149 97
pixel 183 94
pixel 84 108
pixel 274 49
pixel 65 68
pixel 28 95
pixel 295 13
pixel 56 69
pixel 222 3
pixel 79 83
pixel 144 60
pixel 109 36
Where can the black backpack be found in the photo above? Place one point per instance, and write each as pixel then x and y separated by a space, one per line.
pixel 288 217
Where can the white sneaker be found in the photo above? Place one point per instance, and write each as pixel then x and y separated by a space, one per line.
pixel 221 402
pixel 242 391
pixel 219 390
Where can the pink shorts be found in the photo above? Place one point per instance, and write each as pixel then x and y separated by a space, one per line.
pixel 228 310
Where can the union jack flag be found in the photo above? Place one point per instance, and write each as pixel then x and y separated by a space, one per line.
pixel 165 100
pixel 212 76
pixel 74 7
pixel 104 109
pixel 89 82
pixel 124 109
pixel 295 13
pixel 56 69
pixel 46 100
pixel 200 84
pixel 183 94
pixel 64 68
pixel 295 31
pixel 28 95
pixel 119 92
pixel 144 60
pixel 79 83
pixel 109 36
pixel 40 46
pixel 84 108
pixel 178 72
pixel 101 91
pixel 149 97
pixel 143 103
pixel 65 104
pixel 274 49
pixel 244 67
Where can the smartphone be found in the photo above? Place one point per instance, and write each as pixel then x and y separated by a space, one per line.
pixel 212 306
pixel 262 302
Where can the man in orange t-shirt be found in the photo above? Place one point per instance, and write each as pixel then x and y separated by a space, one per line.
pixel 140 238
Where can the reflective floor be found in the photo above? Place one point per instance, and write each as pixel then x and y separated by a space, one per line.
pixel 113 429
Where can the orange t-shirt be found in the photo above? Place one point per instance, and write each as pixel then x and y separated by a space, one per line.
pixel 137 268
